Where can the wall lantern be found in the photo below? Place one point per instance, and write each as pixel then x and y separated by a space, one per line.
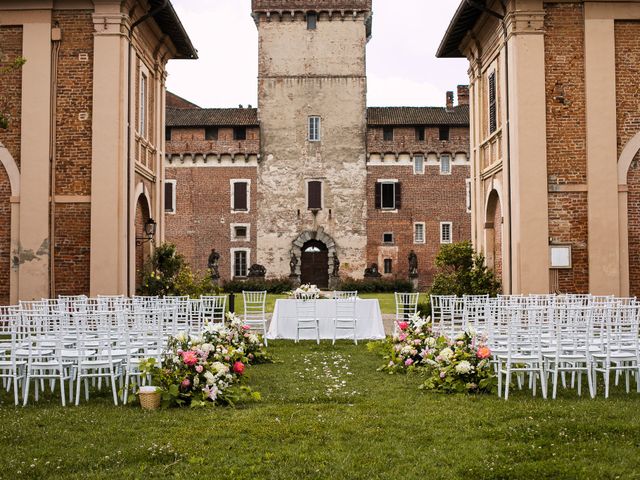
pixel 149 232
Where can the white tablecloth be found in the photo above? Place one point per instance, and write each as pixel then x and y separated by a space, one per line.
pixel 369 323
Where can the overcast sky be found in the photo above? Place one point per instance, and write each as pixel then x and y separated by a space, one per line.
pixel 401 65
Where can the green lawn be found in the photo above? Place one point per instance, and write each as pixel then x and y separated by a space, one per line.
pixel 327 413
pixel 387 302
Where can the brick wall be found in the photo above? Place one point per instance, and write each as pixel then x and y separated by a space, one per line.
pixel 185 140
pixel 430 198
pixel 566 136
pixel 627 37
pixel 72 248
pixel 497 242
pixel 203 215
pixel 404 140
pixel 5 236
pixel 73 144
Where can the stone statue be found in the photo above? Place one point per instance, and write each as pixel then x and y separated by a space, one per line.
pixel 372 271
pixel 413 264
pixel 257 271
pixel 293 264
pixel 336 266
pixel 212 263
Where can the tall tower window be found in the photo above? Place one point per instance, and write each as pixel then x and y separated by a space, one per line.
pixel 143 106
pixel 312 21
pixel 314 195
pixel 314 129
pixel 493 111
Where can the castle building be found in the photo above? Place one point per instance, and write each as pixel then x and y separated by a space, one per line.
pixel 82 155
pixel 555 140
pixel 312 184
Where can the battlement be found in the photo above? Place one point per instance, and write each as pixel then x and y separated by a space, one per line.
pixel 311 5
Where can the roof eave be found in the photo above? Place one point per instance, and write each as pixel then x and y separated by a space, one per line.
pixel 463 20
pixel 174 29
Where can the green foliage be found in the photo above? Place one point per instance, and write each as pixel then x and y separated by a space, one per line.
pixel 380 285
pixel 5 115
pixel 167 273
pixel 276 286
pixel 461 271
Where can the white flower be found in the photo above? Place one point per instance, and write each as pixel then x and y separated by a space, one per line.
pixel 209 377
pixel 253 338
pixel 213 393
pixel 446 353
pixel 181 337
pixel 206 347
pixel 220 368
pixel 431 342
pixel 463 367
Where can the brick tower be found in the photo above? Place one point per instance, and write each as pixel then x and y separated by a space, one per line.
pixel 311 179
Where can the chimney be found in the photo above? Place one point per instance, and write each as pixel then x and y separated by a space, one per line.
pixel 449 100
pixel 463 94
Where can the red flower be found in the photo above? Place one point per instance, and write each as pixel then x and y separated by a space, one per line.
pixel 189 357
pixel 186 383
pixel 403 325
pixel 484 352
pixel 238 368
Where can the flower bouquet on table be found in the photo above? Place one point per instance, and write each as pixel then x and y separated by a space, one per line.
pixel 207 369
pixel 308 290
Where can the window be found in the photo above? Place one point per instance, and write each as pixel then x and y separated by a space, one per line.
pixel 239 133
pixel 211 133
pixel 240 232
pixel 240 195
pixel 143 105
pixel 445 232
pixel 445 164
pixel 170 196
pixel 388 266
pixel 388 195
pixel 312 21
pixel 493 111
pixel 420 134
pixel 314 129
pixel 167 134
pixel 314 195
pixel 387 134
pixel 418 232
pixel 240 260
pixel 387 237
pixel 418 164
pixel 468 202
pixel 444 133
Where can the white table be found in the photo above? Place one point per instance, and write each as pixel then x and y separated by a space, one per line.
pixel 369 321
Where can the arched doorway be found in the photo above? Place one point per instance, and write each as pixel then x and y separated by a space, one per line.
pixel 143 249
pixel 493 234
pixel 314 268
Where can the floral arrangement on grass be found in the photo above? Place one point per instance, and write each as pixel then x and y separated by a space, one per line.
pixel 458 365
pixel 308 289
pixel 207 369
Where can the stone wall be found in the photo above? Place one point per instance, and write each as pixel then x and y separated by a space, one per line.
pixel 566 138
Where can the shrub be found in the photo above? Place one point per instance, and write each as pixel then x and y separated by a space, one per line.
pixel 379 285
pixel 274 286
pixel 461 271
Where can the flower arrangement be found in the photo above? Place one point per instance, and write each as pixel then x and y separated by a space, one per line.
pixel 455 365
pixel 207 369
pixel 308 289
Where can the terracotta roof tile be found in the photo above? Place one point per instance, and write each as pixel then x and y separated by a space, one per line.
pixel 380 116
pixel 203 117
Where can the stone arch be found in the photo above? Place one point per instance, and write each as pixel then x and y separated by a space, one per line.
pixel 12 170
pixel 629 216
pixel 9 215
pixel 321 236
pixel 493 232
pixel 141 215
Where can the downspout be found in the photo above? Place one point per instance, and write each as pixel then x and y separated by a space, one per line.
pixel 501 18
pixel 56 36
pixel 135 24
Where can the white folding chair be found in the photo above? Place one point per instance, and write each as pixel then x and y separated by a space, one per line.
pixel 406 307
pixel 255 311
pixel 212 308
pixel 306 314
pixel 345 318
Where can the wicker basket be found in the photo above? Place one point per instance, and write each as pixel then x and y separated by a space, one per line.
pixel 149 399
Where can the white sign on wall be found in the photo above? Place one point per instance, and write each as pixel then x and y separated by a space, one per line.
pixel 560 256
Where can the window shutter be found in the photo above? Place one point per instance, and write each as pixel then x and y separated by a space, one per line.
pixel 315 195
pixel 240 196
pixel 168 197
pixel 378 195
pixel 398 195
pixel 493 119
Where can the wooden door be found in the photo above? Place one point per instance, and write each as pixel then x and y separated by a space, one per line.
pixel 314 268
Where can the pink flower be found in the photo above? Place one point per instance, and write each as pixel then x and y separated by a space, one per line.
pixel 402 337
pixel 199 368
pixel 403 325
pixel 238 368
pixel 442 374
pixel 246 327
pixel 484 352
pixel 190 358
pixel 186 383
pixel 408 362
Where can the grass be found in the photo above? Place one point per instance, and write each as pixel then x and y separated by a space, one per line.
pixel 387 301
pixel 327 413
